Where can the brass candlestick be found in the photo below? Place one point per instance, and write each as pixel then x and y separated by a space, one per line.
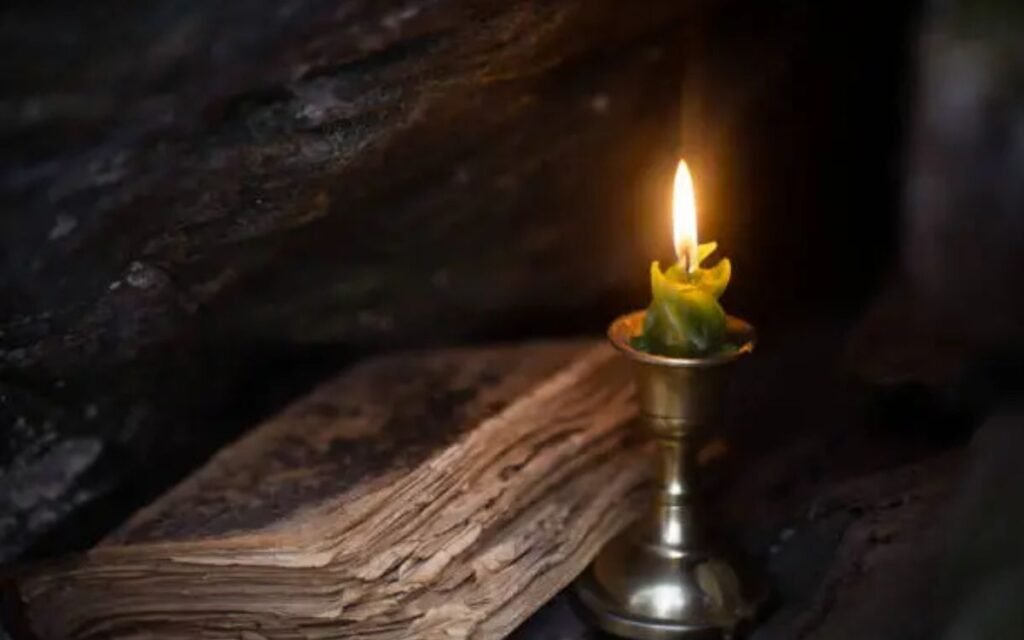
pixel 665 577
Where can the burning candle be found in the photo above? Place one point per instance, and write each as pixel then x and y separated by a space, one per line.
pixel 685 318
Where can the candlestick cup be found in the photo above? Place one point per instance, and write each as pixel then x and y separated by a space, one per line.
pixel 669 575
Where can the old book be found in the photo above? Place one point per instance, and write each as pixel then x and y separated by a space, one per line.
pixel 443 494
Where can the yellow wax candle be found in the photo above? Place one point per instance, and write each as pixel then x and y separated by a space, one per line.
pixel 685 318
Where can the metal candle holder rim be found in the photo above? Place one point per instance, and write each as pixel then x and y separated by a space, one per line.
pixel 627 326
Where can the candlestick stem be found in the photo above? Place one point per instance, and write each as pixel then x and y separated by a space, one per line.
pixel 674 479
pixel 675 498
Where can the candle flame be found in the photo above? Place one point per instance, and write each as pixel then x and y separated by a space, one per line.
pixel 684 217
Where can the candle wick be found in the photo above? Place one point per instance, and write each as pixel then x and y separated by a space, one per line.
pixel 686 264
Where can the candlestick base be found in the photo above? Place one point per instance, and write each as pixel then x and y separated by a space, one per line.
pixel 665 577
pixel 638 589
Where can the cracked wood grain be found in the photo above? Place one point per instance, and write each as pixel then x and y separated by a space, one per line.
pixel 431 495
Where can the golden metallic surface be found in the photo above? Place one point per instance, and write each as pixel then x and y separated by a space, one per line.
pixel 667 577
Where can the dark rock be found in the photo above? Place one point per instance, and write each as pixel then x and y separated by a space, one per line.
pixel 198 197
pixel 966 173
pixel 982 569
pixel 943 344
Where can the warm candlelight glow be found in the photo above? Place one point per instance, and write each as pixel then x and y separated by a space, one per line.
pixel 684 217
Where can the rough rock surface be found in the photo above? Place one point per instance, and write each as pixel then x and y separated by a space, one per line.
pixel 190 188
